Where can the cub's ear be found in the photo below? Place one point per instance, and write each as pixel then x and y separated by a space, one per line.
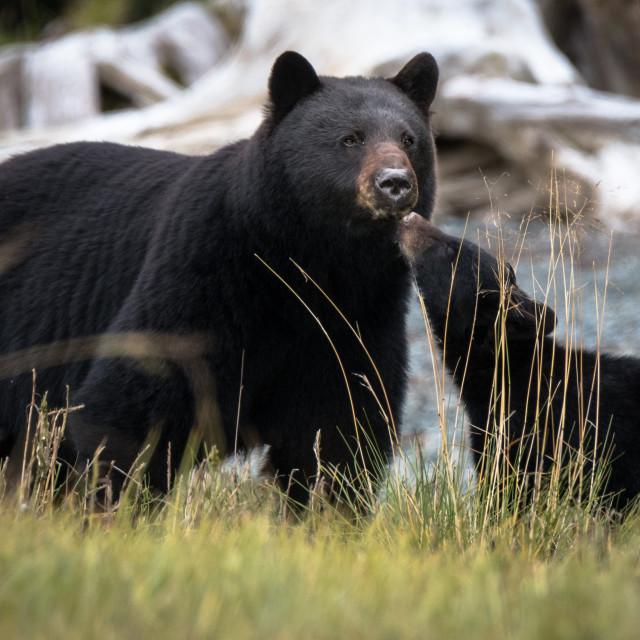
pixel 292 78
pixel 529 319
pixel 419 79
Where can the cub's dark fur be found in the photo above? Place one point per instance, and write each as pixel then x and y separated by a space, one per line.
pixel 466 316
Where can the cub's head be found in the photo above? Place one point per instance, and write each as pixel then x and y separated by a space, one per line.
pixel 466 289
pixel 352 147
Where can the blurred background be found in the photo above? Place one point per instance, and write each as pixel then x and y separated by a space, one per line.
pixel 537 121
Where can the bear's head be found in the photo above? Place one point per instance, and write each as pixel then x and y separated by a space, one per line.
pixel 353 147
pixel 466 291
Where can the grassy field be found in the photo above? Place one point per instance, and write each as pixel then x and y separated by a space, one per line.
pixel 223 557
pixel 221 561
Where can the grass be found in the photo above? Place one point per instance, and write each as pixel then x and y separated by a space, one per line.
pixel 256 579
pixel 437 556
pixel 224 563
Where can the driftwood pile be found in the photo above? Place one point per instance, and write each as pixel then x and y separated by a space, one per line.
pixel 77 76
pixel 510 108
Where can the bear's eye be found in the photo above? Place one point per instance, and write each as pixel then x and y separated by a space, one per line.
pixel 350 141
pixel 407 140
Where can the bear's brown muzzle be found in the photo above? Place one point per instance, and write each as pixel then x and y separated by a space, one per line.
pixel 387 185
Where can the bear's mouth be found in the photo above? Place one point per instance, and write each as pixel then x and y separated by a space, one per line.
pixel 385 213
pixel 380 208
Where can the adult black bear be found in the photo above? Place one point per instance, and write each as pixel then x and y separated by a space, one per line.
pixel 191 270
pixel 513 366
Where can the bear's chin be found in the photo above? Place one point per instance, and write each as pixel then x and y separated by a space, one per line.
pixel 389 214
pixel 372 210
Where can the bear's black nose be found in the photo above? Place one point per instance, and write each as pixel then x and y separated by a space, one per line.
pixel 396 185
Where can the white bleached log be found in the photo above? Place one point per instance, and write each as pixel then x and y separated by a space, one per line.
pixel 59 82
pixel 503 83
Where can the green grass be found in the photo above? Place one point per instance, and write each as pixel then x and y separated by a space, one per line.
pixel 241 571
pixel 222 556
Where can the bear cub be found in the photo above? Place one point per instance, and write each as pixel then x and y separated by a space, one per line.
pixel 496 345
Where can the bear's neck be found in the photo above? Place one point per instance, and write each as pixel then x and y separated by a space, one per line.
pixel 352 260
pixel 478 367
pixel 492 379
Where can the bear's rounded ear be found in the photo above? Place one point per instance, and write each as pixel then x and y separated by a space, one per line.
pixel 292 78
pixel 419 79
pixel 529 318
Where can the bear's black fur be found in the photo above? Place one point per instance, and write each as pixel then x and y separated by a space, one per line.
pixel 190 269
pixel 467 317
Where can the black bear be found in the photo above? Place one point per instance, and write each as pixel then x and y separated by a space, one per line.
pixel 496 345
pixel 257 294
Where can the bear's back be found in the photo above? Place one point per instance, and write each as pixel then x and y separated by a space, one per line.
pixel 89 209
pixel 72 239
